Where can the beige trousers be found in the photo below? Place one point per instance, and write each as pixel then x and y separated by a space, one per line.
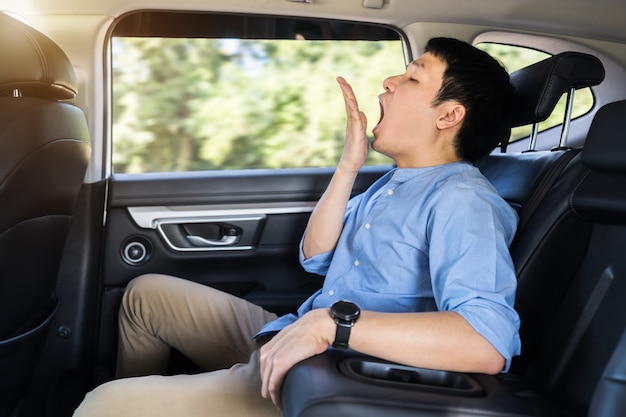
pixel 212 328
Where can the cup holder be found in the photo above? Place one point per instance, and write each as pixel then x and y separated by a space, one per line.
pixel 407 377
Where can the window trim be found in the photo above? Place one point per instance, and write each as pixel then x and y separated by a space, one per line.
pixel 108 128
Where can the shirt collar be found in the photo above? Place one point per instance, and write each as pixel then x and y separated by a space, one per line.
pixel 401 175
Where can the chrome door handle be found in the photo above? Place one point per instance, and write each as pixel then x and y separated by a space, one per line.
pixel 228 235
pixel 225 240
pixel 199 234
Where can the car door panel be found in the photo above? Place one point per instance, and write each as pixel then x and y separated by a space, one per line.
pixel 234 231
pixel 266 211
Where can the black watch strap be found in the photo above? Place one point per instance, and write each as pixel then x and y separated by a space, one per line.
pixel 342 335
pixel 345 313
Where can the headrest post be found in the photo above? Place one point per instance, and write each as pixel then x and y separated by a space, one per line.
pixel 532 143
pixel 17 93
pixel 567 117
pixel 540 86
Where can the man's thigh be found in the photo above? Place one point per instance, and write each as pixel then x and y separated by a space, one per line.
pixel 229 392
pixel 212 328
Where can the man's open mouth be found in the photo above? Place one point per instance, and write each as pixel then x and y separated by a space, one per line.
pixel 382 112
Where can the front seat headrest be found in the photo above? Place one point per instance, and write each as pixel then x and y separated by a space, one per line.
pixel 32 63
pixel 539 87
pixel 605 146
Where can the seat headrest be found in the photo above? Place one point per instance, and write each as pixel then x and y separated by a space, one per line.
pixel 539 87
pixel 32 63
pixel 605 146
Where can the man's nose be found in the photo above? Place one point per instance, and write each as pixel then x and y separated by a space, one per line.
pixel 389 84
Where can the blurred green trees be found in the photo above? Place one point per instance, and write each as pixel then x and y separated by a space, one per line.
pixel 201 104
pixel 184 104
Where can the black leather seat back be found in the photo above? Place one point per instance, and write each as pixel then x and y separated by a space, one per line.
pixel 547 254
pixel 44 152
pixel 524 179
pixel 43 156
pixel 573 289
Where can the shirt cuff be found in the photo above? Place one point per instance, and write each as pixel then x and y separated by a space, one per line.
pixel 316 264
pixel 500 330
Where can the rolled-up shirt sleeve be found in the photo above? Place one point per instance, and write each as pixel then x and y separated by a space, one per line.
pixel 319 263
pixel 316 264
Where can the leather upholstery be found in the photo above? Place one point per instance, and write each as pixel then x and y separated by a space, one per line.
pixel 572 271
pixel 601 197
pixel 607 132
pixel 44 152
pixel 43 156
pixel 529 168
pixel 33 63
pixel 539 87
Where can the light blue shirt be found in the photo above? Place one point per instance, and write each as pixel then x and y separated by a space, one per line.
pixel 425 239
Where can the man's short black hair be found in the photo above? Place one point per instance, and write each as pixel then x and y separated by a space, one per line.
pixel 480 83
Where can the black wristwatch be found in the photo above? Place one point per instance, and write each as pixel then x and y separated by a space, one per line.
pixel 345 314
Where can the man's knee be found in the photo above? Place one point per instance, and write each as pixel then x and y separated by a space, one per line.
pixel 145 287
pixel 146 282
pixel 101 401
pixel 138 301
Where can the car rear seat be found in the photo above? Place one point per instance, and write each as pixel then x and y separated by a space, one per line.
pixel 573 289
pixel 538 88
pixel 526 179
pixel 609 399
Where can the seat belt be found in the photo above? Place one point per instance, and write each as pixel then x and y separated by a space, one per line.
pixel 539 193
pixel 582 324
pixel 609 398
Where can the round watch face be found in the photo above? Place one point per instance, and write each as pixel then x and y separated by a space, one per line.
pixel 345 311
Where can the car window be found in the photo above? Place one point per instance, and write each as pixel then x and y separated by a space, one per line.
pixel 515 57
pixel 204 91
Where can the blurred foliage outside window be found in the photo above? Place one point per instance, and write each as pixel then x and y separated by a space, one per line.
pixel 189 104
pixel 183 104
pixel 516 57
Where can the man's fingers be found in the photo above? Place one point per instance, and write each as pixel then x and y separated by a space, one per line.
pixel 356 118
pixel 274 385
pixel 352 107
pixel 271 375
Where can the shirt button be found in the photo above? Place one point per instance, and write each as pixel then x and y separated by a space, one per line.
pixel 389 191
pixel 356 263
pixel 331 292
pixel 367 226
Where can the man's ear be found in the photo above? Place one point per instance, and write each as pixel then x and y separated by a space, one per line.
pixel 452 115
